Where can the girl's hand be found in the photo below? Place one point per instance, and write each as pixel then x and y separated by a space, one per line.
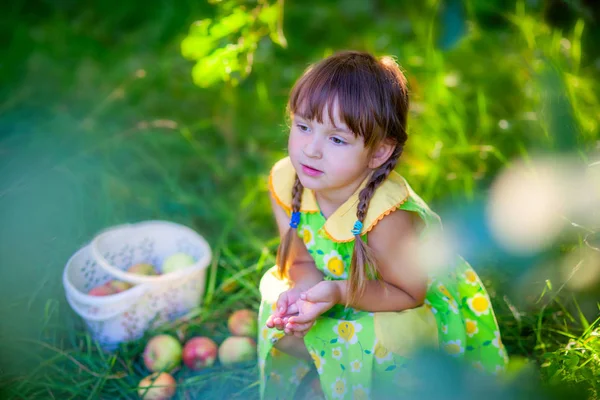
pixel 286 307
pixel 313 303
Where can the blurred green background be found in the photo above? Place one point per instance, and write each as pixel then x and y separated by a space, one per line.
pixel 120 111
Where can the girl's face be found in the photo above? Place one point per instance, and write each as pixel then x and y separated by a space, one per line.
pixel 327 156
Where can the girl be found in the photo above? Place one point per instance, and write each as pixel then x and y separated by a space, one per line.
pixel 347 296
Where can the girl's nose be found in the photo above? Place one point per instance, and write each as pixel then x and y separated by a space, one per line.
pixel 313 148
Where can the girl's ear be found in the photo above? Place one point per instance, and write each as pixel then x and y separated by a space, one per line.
pixel 381 153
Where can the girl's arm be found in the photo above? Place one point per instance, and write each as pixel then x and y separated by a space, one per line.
pixel 403 282
pixel 301 267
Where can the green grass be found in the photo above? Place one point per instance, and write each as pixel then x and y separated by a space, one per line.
pixel 89 141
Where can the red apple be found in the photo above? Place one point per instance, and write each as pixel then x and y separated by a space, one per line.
pixel 142 269
pixel 199 352
pixel 237 349
pixel 162 353
pixel 118 286
pixel 158 386
pixel 102 290
pixel 243 323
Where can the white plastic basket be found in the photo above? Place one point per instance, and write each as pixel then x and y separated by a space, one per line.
pixel 152 300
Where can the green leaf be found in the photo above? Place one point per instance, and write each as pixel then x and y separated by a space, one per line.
pixel 333 341
pixel 322 353
pixel 195 47
pixel 343 368
pixel 572 360
pixel 391 368
pixel 368 351
pixel 230 24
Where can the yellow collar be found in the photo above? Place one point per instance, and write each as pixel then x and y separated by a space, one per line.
pixel 389 196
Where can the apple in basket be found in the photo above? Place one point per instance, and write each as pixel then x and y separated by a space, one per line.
pixel 237 349
pixel 158 386
pixel 176 262
pixel 102 290
pixel 199 352
pixel 142 269
pixel 243 323
pixel 162 353
pixel 118 286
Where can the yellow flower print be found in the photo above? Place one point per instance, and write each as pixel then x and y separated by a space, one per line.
pixel 355 366
pixel 346 331
pixel 276 336
pixel 445 329
pixel 298 373
pixel 381 353
pixel 360 393
pixel 336 353
pixel 308 236
pixel 275 378
pixel 471 277
pixel 264 333
pixel 318 360
pixel 452 306
pixel 445 291
pixel 338 388
pixel 427 304
pixel 275 352
pixel 478 366
pixel 479 304
pixel 497 342
pixel 454 348
pixel 471 327
pixel 335 265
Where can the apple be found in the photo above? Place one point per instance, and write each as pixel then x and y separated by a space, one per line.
pixel 199 352
pixel 237 349
pixel 243 323
pixel 102 290
pixel 142 269
pixel 118 286
pixel 158 386
pixel 162 353
pixel 177 262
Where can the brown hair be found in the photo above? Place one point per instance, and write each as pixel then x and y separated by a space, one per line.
pixel 372 97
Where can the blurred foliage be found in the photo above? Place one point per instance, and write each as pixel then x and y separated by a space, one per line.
pixel 115 111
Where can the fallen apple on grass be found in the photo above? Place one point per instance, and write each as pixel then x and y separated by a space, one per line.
pixel 158 386
pixel 177 262
pixel 243 323
pixel 162 353
pixel 142 269
pixel 237 349
pixel 199 352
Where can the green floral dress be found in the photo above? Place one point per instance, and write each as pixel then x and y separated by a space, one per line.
pixel 355 351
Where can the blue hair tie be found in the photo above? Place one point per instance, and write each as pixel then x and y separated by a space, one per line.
pixel 295 219
pixel 357 228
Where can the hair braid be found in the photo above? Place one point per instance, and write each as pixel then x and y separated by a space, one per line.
pixel 286 243
pixel 364 264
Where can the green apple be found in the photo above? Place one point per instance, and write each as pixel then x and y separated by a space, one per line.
pixel 177 262
pixel 237 349
pixel 162 353
pixel 142 269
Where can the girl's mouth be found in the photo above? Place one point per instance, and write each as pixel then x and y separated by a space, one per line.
pixel 310 171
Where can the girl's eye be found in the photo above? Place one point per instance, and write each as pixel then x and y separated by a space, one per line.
pixel 303 128
pixel 337 140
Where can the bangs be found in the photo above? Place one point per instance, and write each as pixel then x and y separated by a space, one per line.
pixel 358 88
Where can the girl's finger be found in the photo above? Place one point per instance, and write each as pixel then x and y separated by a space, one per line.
pixel 301 327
